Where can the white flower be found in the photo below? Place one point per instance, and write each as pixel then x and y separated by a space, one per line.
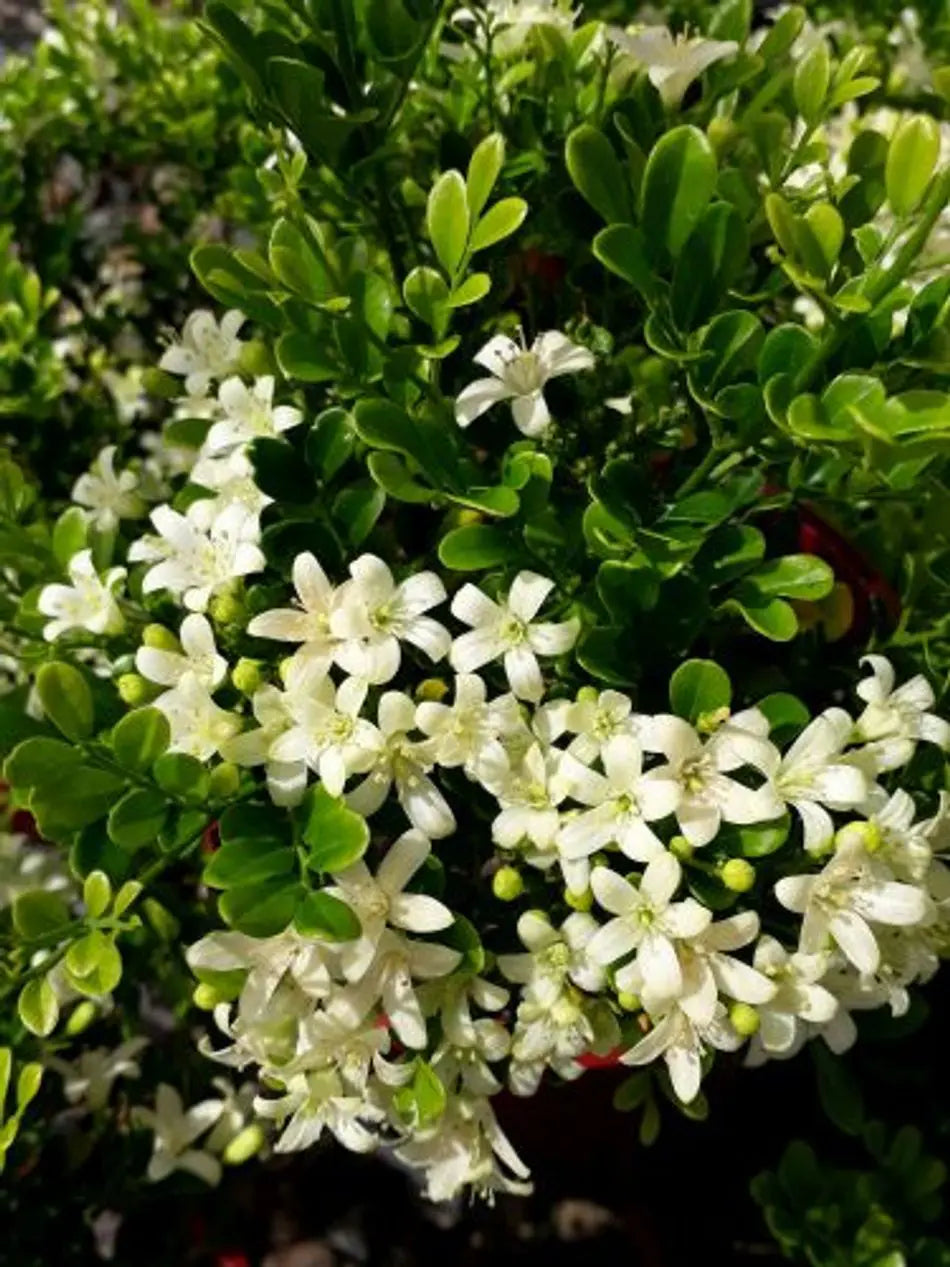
pixel 198 656
pixel 88 1079
pixel 88 603
pixel 892 834
pixel 380 901
pixel 594 718
pixel 464 732
pixel 373 614
pixel 555 956
pixel 671 63
pixel 328 732
pixel 702 770
pixel 199 727
pixel 624 801
pixel 895 719
pixel 318 1101
pixel 388 980
pixel 268 961
pixel 647 921
pixel 682 1043
pixel 512 21
pixel 310 625
pixel 844 901
pixel 207 350
pixel 505 629
pixel 468 1065
pixel 176 1130
pixel 709 968
pixel 286 780
pixel 401 761
pixel 108 497
pixel 812 780
pixel 231 477
pixel 199 552
pixel 799 998
pixel 519 375
pixel 249 412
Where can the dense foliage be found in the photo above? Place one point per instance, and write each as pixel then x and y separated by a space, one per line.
pixel 478 725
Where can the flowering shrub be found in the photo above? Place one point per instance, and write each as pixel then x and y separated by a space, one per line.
pixel 472 726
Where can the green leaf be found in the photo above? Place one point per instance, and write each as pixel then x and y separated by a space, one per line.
pixel 93 964
pixel 181 775
pixel 39 760
pixel 306 357
pixel 787 349
pixel 483 170
pixel 69 534
pixel 838 1090
pixel 632 1092
pixel 475 287
pixel 300 92
pixel 330 442
pixel 712 260
pixel 757 840
pixel 678 183
pixel 39 912
pixel 356 509
pixel 96 894
pixel 598 174
pixel 911 158
pixel 126 895
pixel 37 1007
pixel 66 699
pixel 475 547
pixel 137 819
pixel 295 263
pixel 384 425
pixel 499 222
pixel 337 837
pixel 140 738
pixel 698 687
pixel 811 80
pixel 794 576
pixel 731 344
pixel 81 796
pixel 786 714
pixel 447 220
pixel 427 296
pixel 620 248
pixel 323 915
pixel 247 862
pixel 28 1085
pixel 771 617
pixel 261 910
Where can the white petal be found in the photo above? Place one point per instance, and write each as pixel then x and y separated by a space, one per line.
pixel 527 594
pixel 856 940
pixel 419 913
pixel 477 398
pixel 523 672
pixel 531 414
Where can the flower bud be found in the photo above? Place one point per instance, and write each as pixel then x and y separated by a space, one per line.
pixel 160 638
pixel 246 675
pixel 81 1018
pixel 745 1019
pixel 738 875
pixel 205 997
pixel 681 848
pixel 467 517
pixel 133 689
pixel 432 689
pixel 587 695
pixel 864 834
pixel 225 780
pixel 629 1002
pixel 707 723
pixel 255 358
pixel 226 609
pixel 579 901
pixel 507 884
pixel 244 1146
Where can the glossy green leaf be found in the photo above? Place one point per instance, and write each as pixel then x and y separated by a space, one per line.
pixel 325 916
pixel 447 220
pixel 37 1007
pixel 620 247
pixel 427 296
pixel 911 158
pixel 39 760
pixel 678 183
pixel 261 910
pixel 137 819
pixel 140 738
pixel 598 174
pixel 483 170
pixel 335 835
pixel 698 687
pixel 476 547
pixel 38 912
pixel 811 81
pixel 800 576
pixel 248 862
pixel 66 699
pixel 498 222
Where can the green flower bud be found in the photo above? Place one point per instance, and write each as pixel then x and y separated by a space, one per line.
pixel 255 358
pixel 245 1145
pixel 629 1002
pixel 737 875
pixel 681 848
pixel 579 901
pixel 745 1019
pixel 867 835
pixel 432 689
pixel 205 997
pixel 707 723
pixel 507 884
pixel 225 780
pixel 246 675
pixel 226 609
pixel 81 1018
pixel 133 689
pixel 587 695
pixel 160 638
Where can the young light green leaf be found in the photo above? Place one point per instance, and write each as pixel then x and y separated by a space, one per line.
pixel 483 169
pixel 96 893
pixel 447 220
pixel 37 1007
pixel 337 837
pixel 911 158
pixel 498 222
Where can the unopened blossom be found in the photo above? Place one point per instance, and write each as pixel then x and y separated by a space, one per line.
pixel 682 1043
pixel 88 1079
pixel 286 780
pixel 327 731
pixel 198 553
pixel 88 603
pixel 671 62
pixel 198 656
pixel 249 413
pixel 176 1132
pixel 310 624
pixel 708 795
pixel 472 728
pixel 896 717
pixel 107 495
pixel 199 726
pixel 813 777
pixel 381 900
pixel 648 921
pixel 624 801
pixel 519 374
pixel 373 615
pixel 799 999
pixel 844 903
pixel 207 350
pixel 404 762
pixel 507 630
